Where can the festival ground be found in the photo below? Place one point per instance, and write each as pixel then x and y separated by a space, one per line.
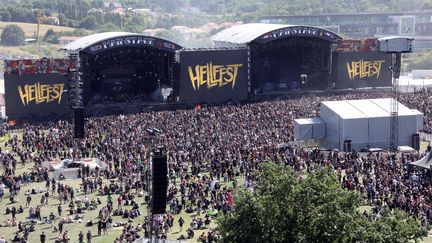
pixel 74 228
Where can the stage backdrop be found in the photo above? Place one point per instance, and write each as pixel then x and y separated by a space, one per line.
pixel 36 97
pixel 213 75
pixel 361 69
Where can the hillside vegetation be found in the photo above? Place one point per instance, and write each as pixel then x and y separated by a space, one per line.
pixel 31 28
pixel 167 13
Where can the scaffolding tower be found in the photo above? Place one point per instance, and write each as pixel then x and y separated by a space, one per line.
pixel 395 46
pixel 394 109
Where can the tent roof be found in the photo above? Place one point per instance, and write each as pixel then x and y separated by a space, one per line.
pixel 424 162
pixel 306 121
pixel 90 40
pixel 344 109
pixel 364 106
pixel 246 33
pixel 350 109
pixel 385 104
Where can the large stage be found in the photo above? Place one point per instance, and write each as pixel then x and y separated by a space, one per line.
pixel 127 73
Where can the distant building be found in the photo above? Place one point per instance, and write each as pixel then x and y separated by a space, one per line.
pixel 191 10
pixel 153 32
pixel 95 10
pixel 111 6
pixel 119 11
pixel 64 40
pixel 367 25
pixel 52 20
pixel 144 11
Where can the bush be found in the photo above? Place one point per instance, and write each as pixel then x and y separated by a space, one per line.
pixel 12 35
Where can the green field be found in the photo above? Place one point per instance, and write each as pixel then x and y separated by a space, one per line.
pixel 30 29
pixel 74 229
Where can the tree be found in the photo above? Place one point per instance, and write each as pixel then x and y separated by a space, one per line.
pixel 427 6
pixel 89 23
pixel 51 36
pixel 50 32
pixel 12 35
pixel 172 35
pixel 287 207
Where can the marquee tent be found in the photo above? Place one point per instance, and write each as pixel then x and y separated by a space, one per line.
pixel 365 123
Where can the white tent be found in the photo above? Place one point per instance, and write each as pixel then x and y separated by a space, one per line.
pixel 425 162
pixel 309 128
pixel 366 123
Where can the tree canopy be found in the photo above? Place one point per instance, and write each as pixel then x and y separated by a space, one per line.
pixel 76 13
pixel 12 35
pixel 287 207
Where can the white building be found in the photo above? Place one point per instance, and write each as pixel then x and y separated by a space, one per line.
pixel 362 123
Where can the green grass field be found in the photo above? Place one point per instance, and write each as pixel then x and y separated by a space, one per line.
pixel 30 28
pixel 74 229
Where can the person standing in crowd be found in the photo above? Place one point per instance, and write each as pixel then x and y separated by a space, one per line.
pixel 80 237
pixel 28 200
pixel 42 237
pixel 181 223
pixel 99 226
pixel 66 237
pixel 60 226
pixel 89 237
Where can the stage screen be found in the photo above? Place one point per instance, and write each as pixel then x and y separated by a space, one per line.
pixel 213 75
pixel 36 97
pixel 361 69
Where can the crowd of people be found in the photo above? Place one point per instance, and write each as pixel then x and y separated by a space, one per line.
pixel 211 151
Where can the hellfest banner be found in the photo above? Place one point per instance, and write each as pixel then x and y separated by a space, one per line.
pixel 213 76
pixel 36 88
pixel 361 69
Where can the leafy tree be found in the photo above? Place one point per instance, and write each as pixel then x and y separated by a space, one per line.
pixel 390 227
pixel 427 6
pixel 287 207
pixel 108 27
pixel 12 35
pixel 417 60
pixel 172 35
pixel 51 37
pixel 50 32
pixel 62 19
pixel 89 23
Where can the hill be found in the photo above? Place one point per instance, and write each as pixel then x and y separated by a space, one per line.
pixel 30 29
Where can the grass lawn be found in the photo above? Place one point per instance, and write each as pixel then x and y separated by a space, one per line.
pixel 74 229
pixel 46 50
pixel 30 28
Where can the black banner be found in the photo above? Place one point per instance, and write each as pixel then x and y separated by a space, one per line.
pixel 146 41
pixel 361 69
pixel 305 31
pixel 213 76
pixel 36 97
